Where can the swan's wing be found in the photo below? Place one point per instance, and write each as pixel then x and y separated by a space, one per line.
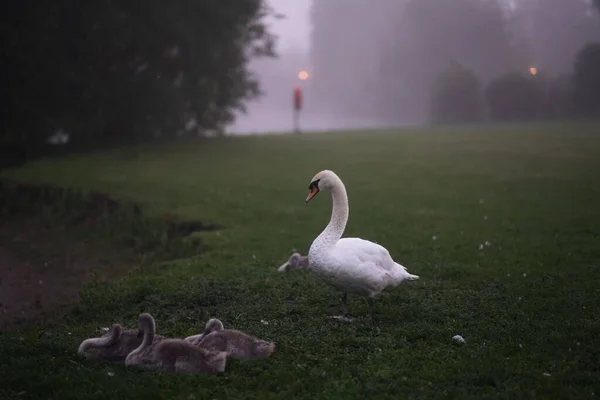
pixel 364 253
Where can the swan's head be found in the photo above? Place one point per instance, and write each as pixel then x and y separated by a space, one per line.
pixel 324 180
pixel 295 261
pixel 147 323
pixel 116 330
pixel 213 325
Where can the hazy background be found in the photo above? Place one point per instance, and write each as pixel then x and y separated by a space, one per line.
pixel 117 74
pixel 278 77
pixel 377 63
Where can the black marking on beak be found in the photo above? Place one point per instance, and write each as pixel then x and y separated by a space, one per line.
pixel 314 189
pixel 314 184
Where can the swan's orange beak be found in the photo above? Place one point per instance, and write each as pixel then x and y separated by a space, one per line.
pixel 313 192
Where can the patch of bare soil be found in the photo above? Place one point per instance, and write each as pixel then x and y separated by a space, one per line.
pixel 44 265
pixel 26 293
pixel 42 273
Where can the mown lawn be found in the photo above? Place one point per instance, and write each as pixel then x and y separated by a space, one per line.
pixel 502 224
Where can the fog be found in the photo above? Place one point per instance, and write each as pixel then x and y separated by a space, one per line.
pixel 273 112
pixel 376 63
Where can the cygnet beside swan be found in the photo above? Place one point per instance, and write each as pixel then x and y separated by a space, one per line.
pixel 350 265
pixel 296 261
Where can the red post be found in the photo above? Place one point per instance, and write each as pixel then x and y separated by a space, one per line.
pixel 297 99
pixel 297 108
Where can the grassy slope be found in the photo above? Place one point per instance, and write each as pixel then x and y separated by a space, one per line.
pixel 527 304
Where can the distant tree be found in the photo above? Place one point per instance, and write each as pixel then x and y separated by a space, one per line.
pixel 555 30
pixel 559 99
pixel 586 80
pixel 347 51
pixel 381 61
pixel 117 70
pixel 471 32
pixel 515 97
pixel 457 97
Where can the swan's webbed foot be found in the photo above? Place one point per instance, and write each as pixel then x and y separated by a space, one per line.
pixel 343 318
pixel 346 316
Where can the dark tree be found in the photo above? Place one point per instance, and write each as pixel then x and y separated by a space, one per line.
pixel 515 97
pixel 586 80
pixel 457 97
pixel 118 70
pixel 559 101
pixel 555 30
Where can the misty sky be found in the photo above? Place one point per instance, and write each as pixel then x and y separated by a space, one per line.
pixel 294 30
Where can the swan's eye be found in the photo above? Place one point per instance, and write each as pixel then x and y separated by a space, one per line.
pixel 314 184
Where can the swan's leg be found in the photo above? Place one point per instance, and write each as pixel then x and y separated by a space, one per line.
pixel 344 300
pixel 346 315
pixel 372 308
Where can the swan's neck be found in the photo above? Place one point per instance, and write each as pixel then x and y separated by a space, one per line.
pixel 108 340
pixel 148 339
pixel 93 342
pixel 339 216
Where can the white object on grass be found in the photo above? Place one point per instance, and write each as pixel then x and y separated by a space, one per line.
pixel 459 339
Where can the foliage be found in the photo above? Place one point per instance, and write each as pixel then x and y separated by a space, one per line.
pixel 559 98
pixel 515 97
pixel 586 80
pixel 527 303
pixel 400 47
pixel 555 31
pixel 457 97
pixel 110 70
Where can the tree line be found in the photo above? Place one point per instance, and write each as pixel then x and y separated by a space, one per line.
pixel 457 61
pixel 115 71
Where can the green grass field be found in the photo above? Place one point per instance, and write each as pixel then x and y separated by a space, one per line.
pixel 527 303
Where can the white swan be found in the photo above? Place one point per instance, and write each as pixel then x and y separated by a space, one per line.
pixel 350 265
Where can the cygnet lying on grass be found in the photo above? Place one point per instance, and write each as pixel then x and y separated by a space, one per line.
pixel 114 345
pixel 237 344
pixel 173 355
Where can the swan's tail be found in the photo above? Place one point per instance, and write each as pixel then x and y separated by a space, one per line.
pixel 405 274
pixel 411 277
